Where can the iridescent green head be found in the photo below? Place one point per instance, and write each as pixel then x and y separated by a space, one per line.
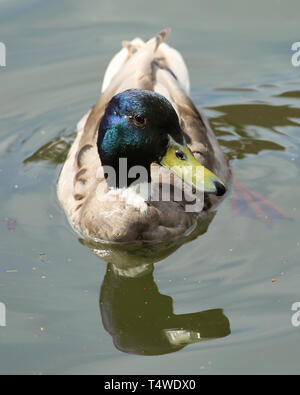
pixel 143 127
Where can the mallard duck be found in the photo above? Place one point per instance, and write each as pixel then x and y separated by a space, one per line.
pixel 144 114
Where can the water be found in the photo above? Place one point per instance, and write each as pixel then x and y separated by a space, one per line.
pixel 234 283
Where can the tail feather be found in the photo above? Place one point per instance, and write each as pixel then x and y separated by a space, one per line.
pixel 161 36
pixel 147 53
pixel 131 48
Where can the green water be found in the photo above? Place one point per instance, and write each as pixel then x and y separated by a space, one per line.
pixel 67 311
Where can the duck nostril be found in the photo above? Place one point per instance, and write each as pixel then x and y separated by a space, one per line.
pixel 180 155
pixel 220 188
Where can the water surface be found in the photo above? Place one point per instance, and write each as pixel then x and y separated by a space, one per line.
pixel 234 281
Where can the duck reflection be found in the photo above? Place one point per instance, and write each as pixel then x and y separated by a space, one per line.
pixel 138 317
pixel 141 320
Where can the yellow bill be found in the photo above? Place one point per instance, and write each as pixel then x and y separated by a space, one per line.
pixel 180 161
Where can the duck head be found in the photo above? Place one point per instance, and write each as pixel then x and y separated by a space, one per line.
pixel 143 127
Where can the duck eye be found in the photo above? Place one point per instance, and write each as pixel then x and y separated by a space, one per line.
pixel 180 155
pixel 139 120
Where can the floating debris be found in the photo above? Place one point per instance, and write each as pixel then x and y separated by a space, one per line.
pixel 43 257
pixel 11 224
